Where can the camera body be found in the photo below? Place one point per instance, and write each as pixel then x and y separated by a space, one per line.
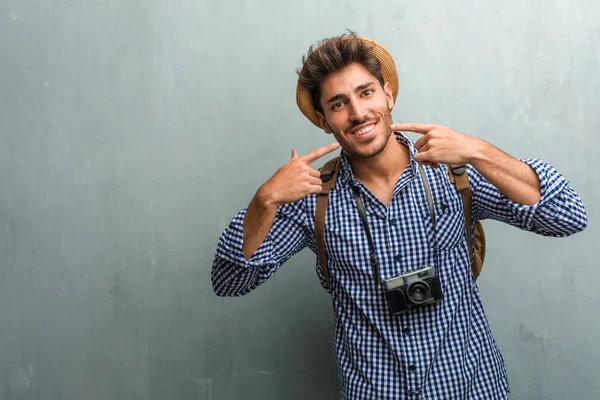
pixel 413 289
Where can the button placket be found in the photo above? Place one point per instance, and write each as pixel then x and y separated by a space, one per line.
pixel 413 380
pixel 391 234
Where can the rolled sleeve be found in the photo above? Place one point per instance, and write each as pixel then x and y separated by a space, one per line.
pixel 559 212
pixel 233 275
pixel 231 241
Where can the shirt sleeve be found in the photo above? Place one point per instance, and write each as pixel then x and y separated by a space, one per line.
pixel 559 212
pixel 233 275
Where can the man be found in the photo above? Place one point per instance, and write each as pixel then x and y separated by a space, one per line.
pixel 443 350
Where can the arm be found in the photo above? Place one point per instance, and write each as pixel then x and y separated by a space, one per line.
pixel 558 213
pixel 234 274
pixel 529 194
pixel 441 145
pixel 257 223
pixel 513 178
pixel 271 230
pixel 293 181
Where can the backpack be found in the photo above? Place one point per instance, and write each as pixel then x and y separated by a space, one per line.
pixel 458 178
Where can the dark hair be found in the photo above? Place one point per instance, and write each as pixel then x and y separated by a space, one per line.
pixel 331 55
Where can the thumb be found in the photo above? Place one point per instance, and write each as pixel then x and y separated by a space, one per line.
pixel 422 159
pixel 294 154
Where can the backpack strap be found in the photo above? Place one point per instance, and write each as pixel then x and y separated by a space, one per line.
pixel 460 179
pixel 329 173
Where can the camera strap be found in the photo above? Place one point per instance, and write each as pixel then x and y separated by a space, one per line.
pixel 429 198
pixel 363 216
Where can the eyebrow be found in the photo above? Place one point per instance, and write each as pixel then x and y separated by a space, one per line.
pixel 358 89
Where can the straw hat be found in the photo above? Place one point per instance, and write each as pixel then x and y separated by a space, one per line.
pixel 388 71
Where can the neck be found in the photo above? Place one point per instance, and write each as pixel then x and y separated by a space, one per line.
pixel 387 166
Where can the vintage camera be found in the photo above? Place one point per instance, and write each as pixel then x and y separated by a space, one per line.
pixel 414 289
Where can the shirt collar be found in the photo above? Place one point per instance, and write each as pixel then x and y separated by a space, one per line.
pixel 346 176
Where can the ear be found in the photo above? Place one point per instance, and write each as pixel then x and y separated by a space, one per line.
pixel 323 122
pixel 389 94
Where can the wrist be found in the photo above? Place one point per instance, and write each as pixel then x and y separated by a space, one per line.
pixel 480 152
pixel 265 198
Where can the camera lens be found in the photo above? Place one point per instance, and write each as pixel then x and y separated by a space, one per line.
pixel 418 292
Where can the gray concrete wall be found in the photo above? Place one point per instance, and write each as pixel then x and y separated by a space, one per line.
pixel 131 132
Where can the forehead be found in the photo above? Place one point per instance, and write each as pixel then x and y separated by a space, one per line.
pixel 346 80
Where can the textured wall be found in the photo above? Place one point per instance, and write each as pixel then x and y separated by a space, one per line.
pixel 131 132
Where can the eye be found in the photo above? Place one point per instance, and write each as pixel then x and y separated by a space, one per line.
pixel 367 93
pixel 338 105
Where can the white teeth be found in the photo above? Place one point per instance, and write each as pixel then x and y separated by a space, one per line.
pixel 365 130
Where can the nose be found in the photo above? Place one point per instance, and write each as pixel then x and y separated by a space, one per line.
pixel 357 112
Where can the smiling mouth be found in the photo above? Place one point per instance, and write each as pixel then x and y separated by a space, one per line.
pixel 364 130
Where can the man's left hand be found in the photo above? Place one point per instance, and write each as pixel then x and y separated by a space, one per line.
pixel 441 145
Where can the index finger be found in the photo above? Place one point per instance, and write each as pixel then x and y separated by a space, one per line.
pixel 320 152
pixel 413 127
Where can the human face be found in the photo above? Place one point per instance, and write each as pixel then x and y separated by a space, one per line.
pixel 357 110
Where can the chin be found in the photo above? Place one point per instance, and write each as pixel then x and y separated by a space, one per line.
pixel 373 148
pixel 363 152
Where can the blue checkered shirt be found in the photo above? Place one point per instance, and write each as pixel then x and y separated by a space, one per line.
pixel 440 351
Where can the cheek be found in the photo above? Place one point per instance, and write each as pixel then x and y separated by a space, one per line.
pixel 337 120
pixel 383 104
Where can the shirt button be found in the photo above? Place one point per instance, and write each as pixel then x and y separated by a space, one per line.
pixel 393 221
pixel 406 331
pixel 397 257
pixel 412 368
pixel 443 206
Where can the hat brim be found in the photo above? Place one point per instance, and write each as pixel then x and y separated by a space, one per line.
pixel 388 71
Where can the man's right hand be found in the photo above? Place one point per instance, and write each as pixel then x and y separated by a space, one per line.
pixel 295 179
